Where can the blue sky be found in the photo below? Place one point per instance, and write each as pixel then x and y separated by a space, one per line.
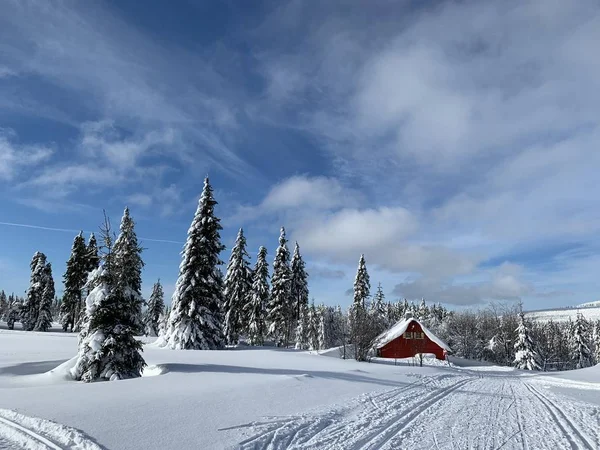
pixel 455 144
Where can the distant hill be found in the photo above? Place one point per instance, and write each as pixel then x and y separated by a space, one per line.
pixel 590 304
pixel 590 310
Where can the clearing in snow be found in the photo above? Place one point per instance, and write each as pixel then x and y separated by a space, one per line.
pixel 265 398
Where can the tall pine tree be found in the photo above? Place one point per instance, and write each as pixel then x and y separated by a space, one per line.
pixel 44 319
pixel 108 348
pixel 196 320
pixel 128 268
pixel 93 260
pixel 259 296
pixel 31 307
pixel 74 280
pixel 238 284
pixel 279 312
pixel 155 310
pixel 360 326
pixel 299 284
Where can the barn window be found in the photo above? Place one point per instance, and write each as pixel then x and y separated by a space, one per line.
pixel 414 335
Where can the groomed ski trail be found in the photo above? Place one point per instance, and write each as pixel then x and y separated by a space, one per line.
pixel 22 432
pixel 440 412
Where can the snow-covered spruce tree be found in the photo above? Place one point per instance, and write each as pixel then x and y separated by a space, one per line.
pixel 361 330
pixel 128 268
pixel 93 260
pixel 299 284
pixel 238 285
pixel 313 327
pixel 3 304
pixel 526 356
pixel 378 310
pixel 259 296
pixel 423 311
pixel 108 349
pixel 195 321
pixel 279 312
pixel 163 322
pixel 596 338
pixel 92 263
pixel 31 306
pixel 44 320
pixel 155 310
pixel 583 355
pixel 302 342
pixel 14 313
pixel 322 327
pixel 74 280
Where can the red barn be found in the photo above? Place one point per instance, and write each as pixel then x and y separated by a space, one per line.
pixel 407 338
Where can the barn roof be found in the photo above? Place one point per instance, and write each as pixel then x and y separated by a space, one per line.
pixel 398 330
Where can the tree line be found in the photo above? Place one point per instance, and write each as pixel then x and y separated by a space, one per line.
pixel 209 310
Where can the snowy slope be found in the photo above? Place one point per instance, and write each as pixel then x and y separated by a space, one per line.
pixel 595 304
pixel 277 399
pixel 561 315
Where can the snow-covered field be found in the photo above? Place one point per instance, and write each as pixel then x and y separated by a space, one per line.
pixel 277 399
pixel 591 313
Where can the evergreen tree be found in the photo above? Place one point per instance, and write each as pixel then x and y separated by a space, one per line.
pixel 583 354
pixel 526 355
pixel 108 348
pixel 3 304
pixel 259 296
pixel 44 319
pixel 299 282
pixel 378 310
pixel 361 330
pixel 128 268
pixel 279 306
pixel 362 284
pixel 31 307
pixel 156 309
pixel 238 285
pixel 163 322
pixel 322 330
pixel 596 338
pixel 195 321
pixel 302 341
pixel 313 327
pixel 93 260
pixel 423 311
pixel 14 313
pixel 74 280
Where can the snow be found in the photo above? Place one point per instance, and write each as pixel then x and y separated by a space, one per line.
pixel 400 327
pixel 563 315
pixel 254 398
pixel 595 304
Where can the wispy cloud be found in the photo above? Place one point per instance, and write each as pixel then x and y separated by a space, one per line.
pixel 15 157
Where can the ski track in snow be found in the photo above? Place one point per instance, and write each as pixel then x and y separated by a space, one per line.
pixel 22 432
pixel 441 412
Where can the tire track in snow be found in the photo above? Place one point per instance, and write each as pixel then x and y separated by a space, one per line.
pixel 20 431
pixel 562 420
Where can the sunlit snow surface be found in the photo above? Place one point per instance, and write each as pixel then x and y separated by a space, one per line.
pixel 277 399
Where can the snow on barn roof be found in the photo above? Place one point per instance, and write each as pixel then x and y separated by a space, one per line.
pixel 398 330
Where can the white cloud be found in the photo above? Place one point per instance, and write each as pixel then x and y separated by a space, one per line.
pixel 502 283
pixel 15 157
pixel 311 193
